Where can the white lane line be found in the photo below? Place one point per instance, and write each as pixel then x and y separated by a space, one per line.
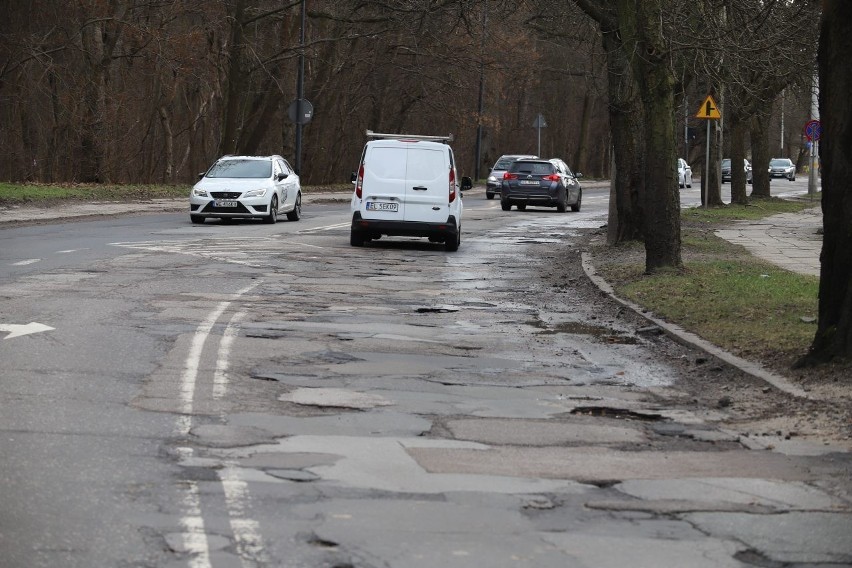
pixel 220 375
pixel 193 360
pixel 26 262
pixel 246 530
pixel 326 228
pixel 67 251
pixel 194 535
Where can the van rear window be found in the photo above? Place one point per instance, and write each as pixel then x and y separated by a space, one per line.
pixel 387 163
pixel 426 164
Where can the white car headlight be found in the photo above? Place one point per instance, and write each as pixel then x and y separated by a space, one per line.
pixel 255 192
pixel 492 178
pixel 198 192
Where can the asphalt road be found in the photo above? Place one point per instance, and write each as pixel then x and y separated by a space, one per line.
pixel 266 395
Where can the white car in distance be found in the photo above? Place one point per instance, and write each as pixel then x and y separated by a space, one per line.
pixel 247 187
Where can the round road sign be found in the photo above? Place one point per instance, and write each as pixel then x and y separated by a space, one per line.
pixel 813 130
pixel 301 115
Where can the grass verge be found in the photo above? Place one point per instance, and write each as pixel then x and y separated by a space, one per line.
pixel 723 293
pixel 51 194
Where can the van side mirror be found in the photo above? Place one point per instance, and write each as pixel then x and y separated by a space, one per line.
pixel 466 183
pixel 354 177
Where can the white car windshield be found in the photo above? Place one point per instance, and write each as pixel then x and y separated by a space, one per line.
pixel 241 169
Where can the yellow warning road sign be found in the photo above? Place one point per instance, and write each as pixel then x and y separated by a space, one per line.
pixel 709 110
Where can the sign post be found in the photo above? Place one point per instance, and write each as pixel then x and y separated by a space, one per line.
pixel 708 111
pixel 813 132
pixel 539 123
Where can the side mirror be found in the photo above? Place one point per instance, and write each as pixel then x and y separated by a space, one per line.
pixel 354 177
pixel 280 176
pixel 578 175
pixel 201 175
pixel 466 183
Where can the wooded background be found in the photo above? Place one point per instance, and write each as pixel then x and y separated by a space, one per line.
pixel 154 91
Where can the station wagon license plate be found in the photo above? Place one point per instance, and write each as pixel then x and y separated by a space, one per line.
pixel 379 206
pixel 224 203
pixel 529 182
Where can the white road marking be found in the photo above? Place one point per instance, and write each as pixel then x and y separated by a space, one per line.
pixel 17 330
pixel 325 228
pixel 246 530
pixel 220 375
pixel 193 360
pixel 26 262
pixel 194 534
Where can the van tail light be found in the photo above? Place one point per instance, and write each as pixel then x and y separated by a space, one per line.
pixel 507 175
pixel 452 185
pixel 552 177
pixel 359 182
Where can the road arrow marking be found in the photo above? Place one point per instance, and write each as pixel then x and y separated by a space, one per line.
pixel 16 330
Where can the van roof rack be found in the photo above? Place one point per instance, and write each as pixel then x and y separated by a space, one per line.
pixel 445 139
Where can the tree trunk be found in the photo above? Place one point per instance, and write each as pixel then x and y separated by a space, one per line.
pixel 738 174
pixel 235 86
pixel 834 328
pixel 760 154
pixel 713 182
pixel 642 35
pixel 625 219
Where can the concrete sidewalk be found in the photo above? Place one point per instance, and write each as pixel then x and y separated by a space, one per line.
pixel 792 241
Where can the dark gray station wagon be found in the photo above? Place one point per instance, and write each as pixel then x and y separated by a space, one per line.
pixel 544 183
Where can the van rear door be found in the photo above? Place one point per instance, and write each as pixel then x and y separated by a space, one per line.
pixel 427 183
pixel 384 181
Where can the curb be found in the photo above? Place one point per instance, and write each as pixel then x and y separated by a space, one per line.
pixel 690 339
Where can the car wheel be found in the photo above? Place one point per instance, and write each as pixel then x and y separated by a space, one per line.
pixel 561 204
pixel 489 195
pixel 689 185
pixel 296 213
pixel 273 211
pixel 356 239
pixel 505 205
pixel 793 178
pixel 452 245
pixel 576 206
pixel 198 219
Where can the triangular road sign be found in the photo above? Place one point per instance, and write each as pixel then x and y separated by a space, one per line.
pixel 709 109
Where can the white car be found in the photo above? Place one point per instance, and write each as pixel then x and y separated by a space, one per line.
pixel 684 173
pixel 246 187
pixel 782 167
pixel 407 186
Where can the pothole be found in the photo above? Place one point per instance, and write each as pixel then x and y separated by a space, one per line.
pixel 618 413
pixel 605 334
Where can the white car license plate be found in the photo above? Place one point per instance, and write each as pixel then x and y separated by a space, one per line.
pixel 225 203
pixel 379 206
pixel 529 182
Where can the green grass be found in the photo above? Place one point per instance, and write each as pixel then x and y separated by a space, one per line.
pixel 743 305
pixel 20 194
pixel 34 193
pixel 756 209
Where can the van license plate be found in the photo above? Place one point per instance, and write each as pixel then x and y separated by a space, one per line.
pixel 223 203
pixel 376 206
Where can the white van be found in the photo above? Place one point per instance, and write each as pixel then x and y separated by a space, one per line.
pixel 407 186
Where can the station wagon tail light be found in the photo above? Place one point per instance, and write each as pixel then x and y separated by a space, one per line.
pixel 452 185
pixel 507 175
pixel 552 177
pixel 359 182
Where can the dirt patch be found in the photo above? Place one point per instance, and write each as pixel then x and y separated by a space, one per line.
pixel 751 406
